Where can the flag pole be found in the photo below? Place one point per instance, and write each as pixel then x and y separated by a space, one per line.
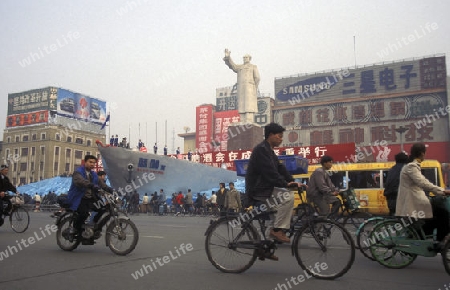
pixel 109 127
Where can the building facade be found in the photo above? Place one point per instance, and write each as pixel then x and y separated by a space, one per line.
pixel 48 133
pixel 397 103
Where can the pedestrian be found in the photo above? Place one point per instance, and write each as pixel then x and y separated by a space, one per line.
pixel 145 203
pixel 393 180
pixel 221 194
pixel 37 202
pixel 232 199
pixel 189 201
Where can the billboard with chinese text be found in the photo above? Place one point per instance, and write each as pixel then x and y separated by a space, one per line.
pixel 31 101
pixel 389 78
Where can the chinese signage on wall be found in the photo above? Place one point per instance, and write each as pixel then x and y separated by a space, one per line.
pixel 226 99
pixel 423 115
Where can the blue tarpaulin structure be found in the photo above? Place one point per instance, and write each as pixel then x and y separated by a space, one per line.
pixel 57 184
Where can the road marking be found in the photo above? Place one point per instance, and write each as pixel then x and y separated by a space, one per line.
pixel 155 237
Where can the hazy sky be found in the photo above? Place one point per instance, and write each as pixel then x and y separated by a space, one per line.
pixel 158 60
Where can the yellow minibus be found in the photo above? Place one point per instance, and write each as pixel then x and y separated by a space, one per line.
pixel 367 179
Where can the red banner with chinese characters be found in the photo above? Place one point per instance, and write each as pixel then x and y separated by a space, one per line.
pixel 204 128
pixel 25 119
pixel 221 122
pixel 339 152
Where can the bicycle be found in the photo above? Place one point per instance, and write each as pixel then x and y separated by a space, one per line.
pixel 349 216
pixel 396 244
pixel 121 233
pixel 233 244
pixel 19 218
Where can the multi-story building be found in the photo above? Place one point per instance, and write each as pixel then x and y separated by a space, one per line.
pixel 395 104
pixel 49 131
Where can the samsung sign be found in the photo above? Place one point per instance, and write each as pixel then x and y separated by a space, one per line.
pixel 307 87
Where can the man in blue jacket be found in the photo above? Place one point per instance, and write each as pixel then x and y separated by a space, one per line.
pixel 83 192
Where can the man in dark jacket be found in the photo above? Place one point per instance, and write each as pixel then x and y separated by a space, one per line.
pixel 267 179
pixel 5 185
pixel 393 180
pixel 221 194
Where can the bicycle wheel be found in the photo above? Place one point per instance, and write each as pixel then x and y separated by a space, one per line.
pixel 362 236
pixel 231 248
pixel 383 241
pixel 353 221
pixel 446 257
pixel 65 240
pixel 121 236
pixel 324 249
pixel 19 219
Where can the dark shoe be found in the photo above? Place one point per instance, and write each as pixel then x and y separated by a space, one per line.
pixel 279 236
pixel 272 257
pixel 87 242
pixel 440 245
pixel 97 235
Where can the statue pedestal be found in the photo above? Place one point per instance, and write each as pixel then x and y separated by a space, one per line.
pixel 244 137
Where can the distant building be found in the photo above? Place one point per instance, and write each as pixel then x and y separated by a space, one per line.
pixel 49 131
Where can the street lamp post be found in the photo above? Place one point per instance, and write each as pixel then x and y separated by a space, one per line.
pixel 401 130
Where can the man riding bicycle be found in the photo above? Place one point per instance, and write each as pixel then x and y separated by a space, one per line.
pixel 267 179
pixel 83 192
pixel 321 191
pixel 5 185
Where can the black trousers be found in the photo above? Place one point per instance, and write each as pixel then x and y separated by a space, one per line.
pixel 8 207
pixel 440 220
pixel 86 205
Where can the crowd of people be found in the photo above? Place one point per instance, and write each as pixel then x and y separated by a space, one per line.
pixel 224 200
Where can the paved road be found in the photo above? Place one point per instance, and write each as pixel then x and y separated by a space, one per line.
pixel 43 265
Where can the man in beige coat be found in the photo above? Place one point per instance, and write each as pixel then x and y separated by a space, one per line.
pixel 411 199
pixel 233 199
